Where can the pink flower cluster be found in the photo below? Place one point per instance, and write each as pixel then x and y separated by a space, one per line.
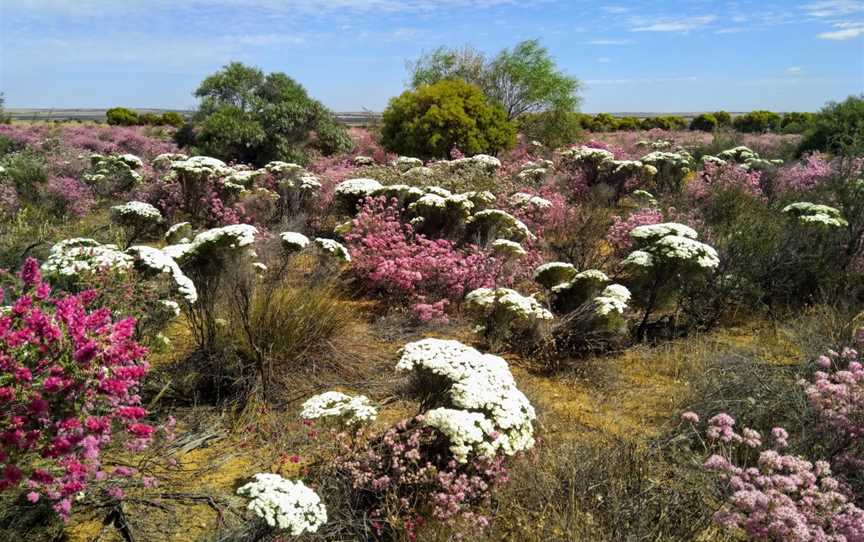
pixel 781 498
pixel 837 395
pixel 722 177
pixel 619 234
pixel 69 196
pixel 70 377
pixel 390 257
pixel 804 175
pixel 86 139
pixel 399 468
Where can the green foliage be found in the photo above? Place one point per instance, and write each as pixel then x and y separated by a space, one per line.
pixel 628 124
pixel 664 122
pixel 252 117
pixel 120 116
pixel 757 122
pixel 838 128
pixel 4 118
pixel 796 123
pixel 604 122
pixel 706 122
pixel 171 118
pixel 724 119
pixel 27 172
pixel 522 80
pixel 432 120
pixel 552 128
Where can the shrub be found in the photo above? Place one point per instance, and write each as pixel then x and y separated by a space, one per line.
pixel 757 122
pixel 796 123
pixel 837 128
pixel 434 119
pixel 553 129
pixel 253 118
pixel 172 118
pixel 120 116
pixel 664 122
pixel 706 122
pixel 69 196
pixel 71 376
pixel 27 173
pixel 724 119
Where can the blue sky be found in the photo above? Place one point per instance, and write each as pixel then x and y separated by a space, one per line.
pixel 681 55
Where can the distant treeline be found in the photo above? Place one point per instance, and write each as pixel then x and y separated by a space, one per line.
pixel 753 122
pixel 120 116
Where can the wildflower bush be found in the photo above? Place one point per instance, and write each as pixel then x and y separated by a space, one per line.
pixel 70 376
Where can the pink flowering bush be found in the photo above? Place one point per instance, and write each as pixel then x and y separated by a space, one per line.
pixel 69 196
pixel 408 470
pixel 803 176
pixel 781 497
pixel 619 234
pixel 70 376
pixel 720 177
pixel 836 394
pixel 389 257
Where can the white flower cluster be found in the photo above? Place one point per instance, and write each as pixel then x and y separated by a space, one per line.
pixel 484 162
pixel 293 241
pixel 233 237
pixel 333 248
pixel 418 173
pixel 405 163
pixel 179 233
pixel 347 409
pixel 481 384
pixel 72 257
pixel 468 432
pixel 131 160
pixel 591 155
pixel 160 262
pixel 138 211
pixel 669 242
pixel 507 248
pixel 518 308
pixel 644 197
pixel 364 161
pixel 200 166
pixel 357 188
pixel 501 223
pixel 285 504
pixel 613 299
pixel 164 160
pixel 521 199
pixel 680 160
pixel 551 274
pixel 815 214
pixel 747 157
pixel 628 168
pixel 115 167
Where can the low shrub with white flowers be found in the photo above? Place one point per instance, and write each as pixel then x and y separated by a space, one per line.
pixel 284 505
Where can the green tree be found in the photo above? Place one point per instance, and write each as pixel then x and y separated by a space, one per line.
pixel 120 116
pixel 604 122
pixel 252 117
pixel 552 128
pixel 724 119
pixel 706 122
pixel 432 120
pixel 757 122
pixel 171 118
pixel 523 80
pixel 4 118
pixel 837 128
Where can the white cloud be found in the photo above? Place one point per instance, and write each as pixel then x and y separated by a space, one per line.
pixel 731 30
pixel 845 31
pixel 833 8
pixel 794 70
pixel 686 24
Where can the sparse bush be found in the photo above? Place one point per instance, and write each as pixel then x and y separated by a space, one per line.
pixel 553 129
pixel 434 119
pixel 757 122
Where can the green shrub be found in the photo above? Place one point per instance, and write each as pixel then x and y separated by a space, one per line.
pixel 604 122
pixel 27 173
pixel 796 123
pixel 629 124
pixel 664 122
pixel 724 119
pixel 706 122
pixel 256 118
pixel 552 128
pixel 170 118
pixel 150 119
pixel 757 122
pixel 120 116
pixel 837 128
pixel 434 119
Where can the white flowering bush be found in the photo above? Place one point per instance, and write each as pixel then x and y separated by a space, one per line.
pixel 458 377
pixel 406 163
pixel 554 273
pixel 112 174
pixel 333 250
pixel 285 505
pixel 666 256
pixel 670 169
pixel 491 224
pixel 137 219
pixel 349 193
pixel 505 315
pixel 509 250
pixel 812 214
pixel 440 215
pixel 293 242
pixel 179 233
pixel 340 408
pixel 578 290
pixel 71 259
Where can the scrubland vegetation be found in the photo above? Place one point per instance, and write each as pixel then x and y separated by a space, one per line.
pixel 488 318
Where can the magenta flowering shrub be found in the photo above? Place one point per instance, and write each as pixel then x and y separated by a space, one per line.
pixel 407 471
pixel 619 233
pixel 804 175
pixel 721 177
pixel 781 497
pixel 69 196
pixel 389 257
pixel 87 139
pixel 69 378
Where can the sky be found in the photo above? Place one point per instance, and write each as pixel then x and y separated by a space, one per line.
pixel 637 56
